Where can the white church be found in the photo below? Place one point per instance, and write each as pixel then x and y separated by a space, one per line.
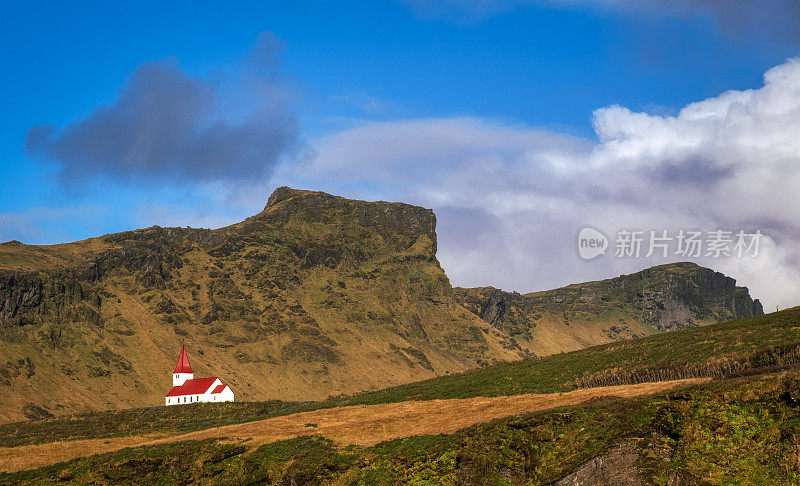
pixel 188 389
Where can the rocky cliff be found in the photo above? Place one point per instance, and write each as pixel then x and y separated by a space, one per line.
pixel 658 299
pixel 313 296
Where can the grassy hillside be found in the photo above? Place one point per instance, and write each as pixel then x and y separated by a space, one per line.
pixel 316 295
pixel 139 421
pixel 658 299
pixel 763 342
pixel 737 431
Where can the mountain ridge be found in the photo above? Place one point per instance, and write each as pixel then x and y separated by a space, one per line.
pixel 657 299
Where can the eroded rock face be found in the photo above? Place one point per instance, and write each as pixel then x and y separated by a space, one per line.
pixel 29 298
pixel 666 297
pixel 17 292
pixel 678 295
pixel 673 296
pixel 493 310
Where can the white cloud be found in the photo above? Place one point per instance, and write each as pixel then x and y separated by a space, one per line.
pixel 511 199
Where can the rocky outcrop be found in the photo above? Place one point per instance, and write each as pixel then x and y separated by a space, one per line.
pixel 617 467
pixel 506 311
pixel 665 297
pixel 679 295
pixel 493 310
pixel 34 297
pixel 398 224
pixel 18 292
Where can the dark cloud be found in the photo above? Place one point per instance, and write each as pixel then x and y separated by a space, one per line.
pixel 695 172
pixel 771 18
pixel 167 126
pixel 260 61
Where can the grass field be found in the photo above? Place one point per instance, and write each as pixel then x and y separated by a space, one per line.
pixel 359 425
pixel 735 431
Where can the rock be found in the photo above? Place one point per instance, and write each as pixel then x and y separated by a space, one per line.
pixel 758 309
pixel 617 467
pixel 492 310
pixel 18 291
pixel 32 297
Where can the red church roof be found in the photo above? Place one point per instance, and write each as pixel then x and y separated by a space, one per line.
pixel 219 389
pixel 197 386
pixel 183 363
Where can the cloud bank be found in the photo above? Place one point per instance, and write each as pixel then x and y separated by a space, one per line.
pixel 512 199
pixel 168 126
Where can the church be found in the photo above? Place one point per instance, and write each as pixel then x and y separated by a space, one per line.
pixel 188 389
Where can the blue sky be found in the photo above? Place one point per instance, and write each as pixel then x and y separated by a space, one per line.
pixel 503 68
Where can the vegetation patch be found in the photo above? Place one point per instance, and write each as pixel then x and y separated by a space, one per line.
pixel 139 421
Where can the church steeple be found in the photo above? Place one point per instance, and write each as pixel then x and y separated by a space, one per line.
pixel 182 371
pixel 183 363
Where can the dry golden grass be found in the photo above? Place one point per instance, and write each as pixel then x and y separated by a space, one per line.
pixel 362 425
pixel 39 455
pixel 551 336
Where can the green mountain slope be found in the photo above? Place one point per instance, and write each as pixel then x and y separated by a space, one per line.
pixel 316 295
pixel 658 299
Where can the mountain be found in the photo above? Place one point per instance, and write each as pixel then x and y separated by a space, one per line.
pixel 313 296
pixel 316 295
pixel 658 299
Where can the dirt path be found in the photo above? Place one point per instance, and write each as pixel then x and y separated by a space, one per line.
pixel 362 425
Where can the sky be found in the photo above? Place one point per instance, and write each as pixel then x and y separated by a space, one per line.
pixel 520 122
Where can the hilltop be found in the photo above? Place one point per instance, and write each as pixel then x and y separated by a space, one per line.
pixel 658 299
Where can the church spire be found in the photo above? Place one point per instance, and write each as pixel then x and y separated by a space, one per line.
pixel 183 363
